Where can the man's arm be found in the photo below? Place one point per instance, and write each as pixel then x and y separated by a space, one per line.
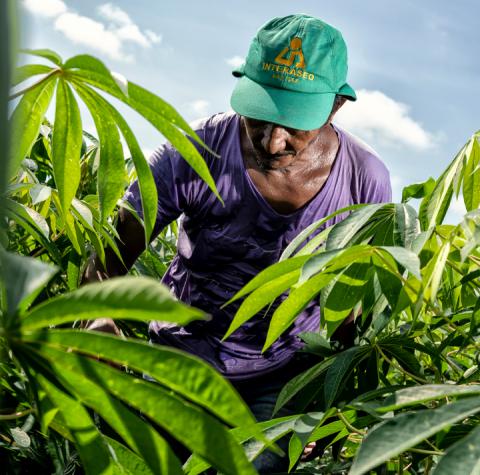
pixel 131 244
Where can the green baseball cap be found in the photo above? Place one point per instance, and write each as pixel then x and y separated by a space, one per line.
pixel 295 67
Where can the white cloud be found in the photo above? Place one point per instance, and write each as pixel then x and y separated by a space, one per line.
pixel 108 38
pixel 235 61
pixel 200 107
pixel 381 119
pixel 46 8
pixel 114 14
pixel 85 31
pixel 153 37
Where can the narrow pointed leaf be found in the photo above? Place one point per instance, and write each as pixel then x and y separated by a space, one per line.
pixel 270 273
pixel 193 427
pixel 66 145
pixel 422 394
pixel 295 385
pixel 134 298
pixel 302 236
pixel 26 71
pixel 128 460
pixel 471 180
pixel 340 369
pixel 90 444
pixel 435 205
pixel 405 258
pixel 111 175
pixel 26 120
pixel 462 457
pixel 23 278
pixel 260 297
pixel 298 299
pixel 45 53
pixel 186 374
pixel 141 437
pixel 344 231
pixel 148 190
pixel 397 435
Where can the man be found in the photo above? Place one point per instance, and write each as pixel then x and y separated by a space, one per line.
pixel 282 166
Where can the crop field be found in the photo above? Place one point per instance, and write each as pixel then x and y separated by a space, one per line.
pixel 402 398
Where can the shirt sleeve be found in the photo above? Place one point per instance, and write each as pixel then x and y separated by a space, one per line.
pixel 374 182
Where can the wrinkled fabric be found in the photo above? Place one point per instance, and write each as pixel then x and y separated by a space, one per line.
pixel 221 248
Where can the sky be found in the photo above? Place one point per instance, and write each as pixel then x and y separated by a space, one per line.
pixel 414 64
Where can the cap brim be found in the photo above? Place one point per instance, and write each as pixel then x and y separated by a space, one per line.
pixel 297 110
pixel 347 91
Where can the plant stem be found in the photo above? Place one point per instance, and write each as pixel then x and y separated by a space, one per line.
pixel 349 426
pixel 426 452
pixel 402 370
pixel 16 415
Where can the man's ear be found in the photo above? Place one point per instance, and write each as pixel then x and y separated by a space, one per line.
pixel 337 103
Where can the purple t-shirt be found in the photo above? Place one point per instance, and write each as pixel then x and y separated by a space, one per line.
pixel 220 248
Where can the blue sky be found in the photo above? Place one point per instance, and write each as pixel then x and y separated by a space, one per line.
pixel 414 64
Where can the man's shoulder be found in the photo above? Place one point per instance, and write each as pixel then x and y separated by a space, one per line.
pixel 364 159
pixel 214 124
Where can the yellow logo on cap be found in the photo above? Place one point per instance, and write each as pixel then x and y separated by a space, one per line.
pixel 295 51
pixel 283 68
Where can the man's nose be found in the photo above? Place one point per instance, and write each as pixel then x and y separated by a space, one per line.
pixel 275 139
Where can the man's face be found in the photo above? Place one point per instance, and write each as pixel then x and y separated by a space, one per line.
pixel 272 142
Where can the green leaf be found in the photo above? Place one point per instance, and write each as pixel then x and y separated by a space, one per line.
pixel 405 225
pixel 345 291
pixel 418 190
pixel 303 428
pixel 274 432
pixel 195 465
pixel 340 369
pixel 186 374
pixel 148 190
pixel 295 385
pixel 100 75
pixel 111 175
pixel 471 180
pixel 421 394
pixel 462 457
pixel 26 71
pixel 131 298
pixel 23 278
pixel 435 205
pixel 302 236
pixel 140 436
pixel 397 435
pixel 44 53
pixel 32 217
pixel 433 271
pixel 193 427
pixel 270 273
pixel 26 120
pixel 260 297
pixel 128 460
pixel 66 145
pixel 158 112
pixel 344 231
pixel 298 299
pixel 405 258
pixel 90 444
